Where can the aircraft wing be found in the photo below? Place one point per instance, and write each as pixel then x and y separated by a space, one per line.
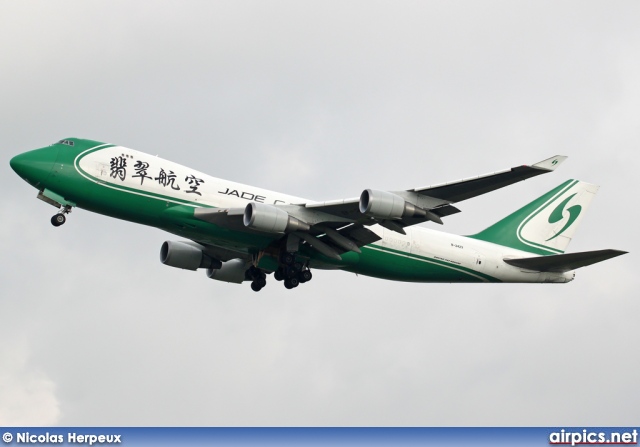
pixel 342 234
pixel 437 199
pixel 474 186
pixel 339 226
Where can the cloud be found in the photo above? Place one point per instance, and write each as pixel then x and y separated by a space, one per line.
pixel 28 394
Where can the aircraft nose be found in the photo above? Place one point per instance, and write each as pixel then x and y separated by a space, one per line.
pixel 35 166
pixel 20 164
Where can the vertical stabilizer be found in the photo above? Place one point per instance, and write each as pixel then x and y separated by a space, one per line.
pixel 546 225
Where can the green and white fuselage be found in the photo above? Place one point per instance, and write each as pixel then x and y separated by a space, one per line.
pixel 212 213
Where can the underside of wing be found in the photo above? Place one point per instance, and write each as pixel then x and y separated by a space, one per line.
pixel 350 209
pixel 326 234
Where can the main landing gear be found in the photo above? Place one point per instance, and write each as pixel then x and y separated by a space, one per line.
pixel 61 218
pixel 292 272
pixel 259 279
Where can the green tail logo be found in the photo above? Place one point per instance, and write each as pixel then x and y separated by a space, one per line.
pixel 558 213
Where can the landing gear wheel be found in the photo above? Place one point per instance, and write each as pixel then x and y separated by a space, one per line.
pixel 291 283
pixel 254 272
pixel 61 218
pixel 287 258
pixel 305 276
pixel 278 275
pixel 58 220
pixel 258 283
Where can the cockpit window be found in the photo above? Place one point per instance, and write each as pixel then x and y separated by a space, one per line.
pixel 67 142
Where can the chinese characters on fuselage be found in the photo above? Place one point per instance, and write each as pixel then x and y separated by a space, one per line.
pixel 119 168
pixel 167 179
pixel 141 170
pixel 170 179
pixel 119 171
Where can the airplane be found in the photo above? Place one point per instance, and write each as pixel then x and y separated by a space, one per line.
pixel 241 233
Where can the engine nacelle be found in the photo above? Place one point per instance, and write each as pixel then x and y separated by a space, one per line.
pixel 185 256
pixel 386 205
pixel 230 271
pixel 270 219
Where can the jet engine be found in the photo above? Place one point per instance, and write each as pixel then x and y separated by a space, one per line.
pixel 386 205
pixel 230 271
pixel 270 219
pixel 185 255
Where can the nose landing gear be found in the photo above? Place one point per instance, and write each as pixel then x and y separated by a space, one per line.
pixel 58 220
pixel 61 218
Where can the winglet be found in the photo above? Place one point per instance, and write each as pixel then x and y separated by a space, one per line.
pixel 550 164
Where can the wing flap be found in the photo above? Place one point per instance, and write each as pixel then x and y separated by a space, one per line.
pixel 357 234
pixel 564 262
pixel 222 217
pixel 360 235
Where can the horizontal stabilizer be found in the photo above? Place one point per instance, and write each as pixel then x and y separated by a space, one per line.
pixel 565 262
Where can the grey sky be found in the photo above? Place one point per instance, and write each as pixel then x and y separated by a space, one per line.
pixel 319 100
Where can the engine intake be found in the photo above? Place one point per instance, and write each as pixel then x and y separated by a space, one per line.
pixel 386 205
pixel 267 218
pixel 185 256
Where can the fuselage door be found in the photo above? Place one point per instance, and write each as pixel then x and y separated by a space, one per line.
pixel 479 261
